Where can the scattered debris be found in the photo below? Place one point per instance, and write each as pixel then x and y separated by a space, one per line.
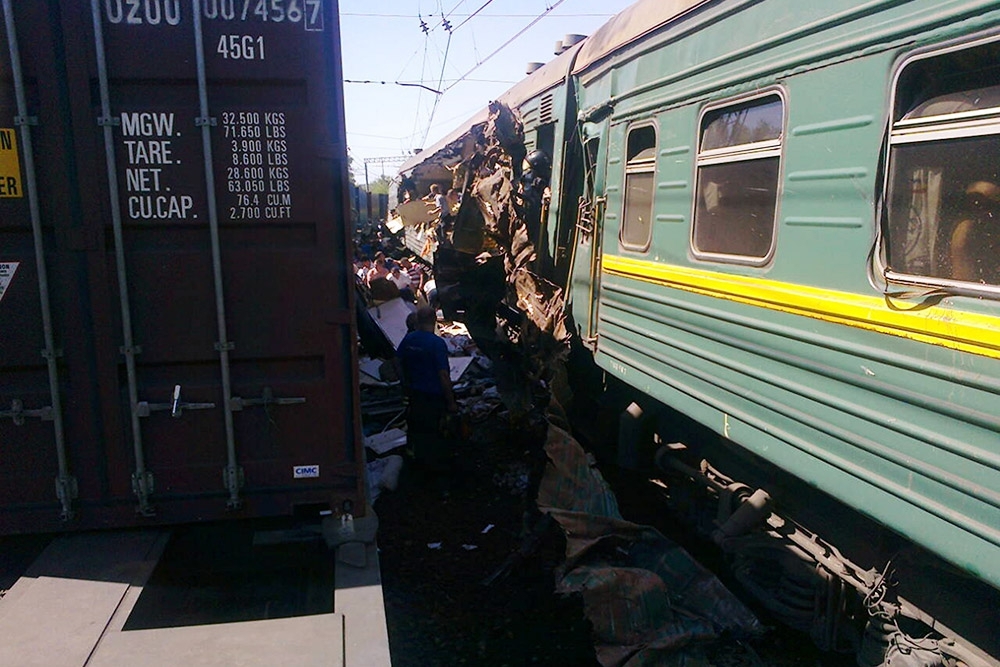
pixel 513 478
pixel 646 597
pixel 434 545
pixel 487 529
pixel 469 547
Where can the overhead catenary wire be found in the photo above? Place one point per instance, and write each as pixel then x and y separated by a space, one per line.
pixel 437 97
pixel 504 45
pixel 395 83
pixel 484 6
pixel 409 17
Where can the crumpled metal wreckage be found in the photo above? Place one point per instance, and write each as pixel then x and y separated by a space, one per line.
pixel 645 596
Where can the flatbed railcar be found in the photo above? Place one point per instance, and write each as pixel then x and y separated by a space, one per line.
pixel 176 332
pixel 777 224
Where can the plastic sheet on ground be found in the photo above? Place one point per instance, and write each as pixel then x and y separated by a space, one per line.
pixel 383 475
pixel 391 319
pixel 386 441
pixel 645 595
pixel 457 367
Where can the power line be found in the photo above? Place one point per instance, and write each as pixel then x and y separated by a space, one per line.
pixel 395 83
pixel 505 44
pixel 409 17
pixel 485 4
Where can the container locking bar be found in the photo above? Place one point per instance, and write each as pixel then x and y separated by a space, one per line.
pixel 18 413
pixel 266 399
pixel 175 406
pixel 66 486
pixel 142 479
pixel 233 473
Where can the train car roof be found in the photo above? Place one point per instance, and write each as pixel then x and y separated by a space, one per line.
pixel 629 25
pixel 547 76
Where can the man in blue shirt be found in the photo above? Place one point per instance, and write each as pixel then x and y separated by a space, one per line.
pixel 423 358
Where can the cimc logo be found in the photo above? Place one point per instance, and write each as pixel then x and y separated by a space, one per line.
pixel 301 472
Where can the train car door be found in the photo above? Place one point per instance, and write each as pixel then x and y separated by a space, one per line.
pixel 586 269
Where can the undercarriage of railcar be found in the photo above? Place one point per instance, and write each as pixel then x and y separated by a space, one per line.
pixel 813 563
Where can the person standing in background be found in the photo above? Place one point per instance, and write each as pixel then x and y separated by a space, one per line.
pixel 426 376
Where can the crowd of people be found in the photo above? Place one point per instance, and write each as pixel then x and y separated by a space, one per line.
pixel 384 267
pixel 384 277
pixel 384 270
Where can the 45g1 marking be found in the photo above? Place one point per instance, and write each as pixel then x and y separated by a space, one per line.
pixel 241 47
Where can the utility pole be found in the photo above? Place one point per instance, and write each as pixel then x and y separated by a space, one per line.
pixel 392 159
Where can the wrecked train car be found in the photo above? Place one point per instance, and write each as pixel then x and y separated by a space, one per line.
pixel 775 263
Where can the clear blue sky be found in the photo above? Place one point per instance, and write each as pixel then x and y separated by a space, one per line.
pixel 383 41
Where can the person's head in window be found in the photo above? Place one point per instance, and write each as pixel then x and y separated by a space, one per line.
pixel 975 240
pixel 983 196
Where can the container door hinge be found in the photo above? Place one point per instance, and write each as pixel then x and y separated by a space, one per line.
pixel 202 121
pixel 67 491
pixel 233 479
pixel 142 487
pixel 18 413
pixel 109 121
pixel 25 120
pixel 266 399
pixel 176 405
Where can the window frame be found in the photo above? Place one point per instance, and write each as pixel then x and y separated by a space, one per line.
pixel 646 166
pixel 771 148
pixel 942 127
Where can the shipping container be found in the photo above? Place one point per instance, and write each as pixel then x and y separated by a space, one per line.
pixel 176 332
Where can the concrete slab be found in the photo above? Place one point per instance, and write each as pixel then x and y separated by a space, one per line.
pixel 303 641
pixel 359 599
pixel 56 613
pixel 71 607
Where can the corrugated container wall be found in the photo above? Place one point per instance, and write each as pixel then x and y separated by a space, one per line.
pixel 176 339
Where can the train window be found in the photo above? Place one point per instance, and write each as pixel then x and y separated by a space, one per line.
pixel 640 167
pixel 943 199
pixel 739 153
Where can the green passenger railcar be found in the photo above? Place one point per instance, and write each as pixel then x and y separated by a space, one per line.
pixel 782 220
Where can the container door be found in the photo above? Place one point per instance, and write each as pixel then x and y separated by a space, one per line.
pixel 206 177
pixel 48 456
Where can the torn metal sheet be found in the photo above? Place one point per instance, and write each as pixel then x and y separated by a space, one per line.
pixel 394 224
pixel 488 272
pixel 418 212
pixel 646 597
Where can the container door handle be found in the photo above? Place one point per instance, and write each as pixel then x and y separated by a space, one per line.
pixel 176 406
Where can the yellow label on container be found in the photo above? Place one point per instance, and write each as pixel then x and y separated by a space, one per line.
pixel 10 165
